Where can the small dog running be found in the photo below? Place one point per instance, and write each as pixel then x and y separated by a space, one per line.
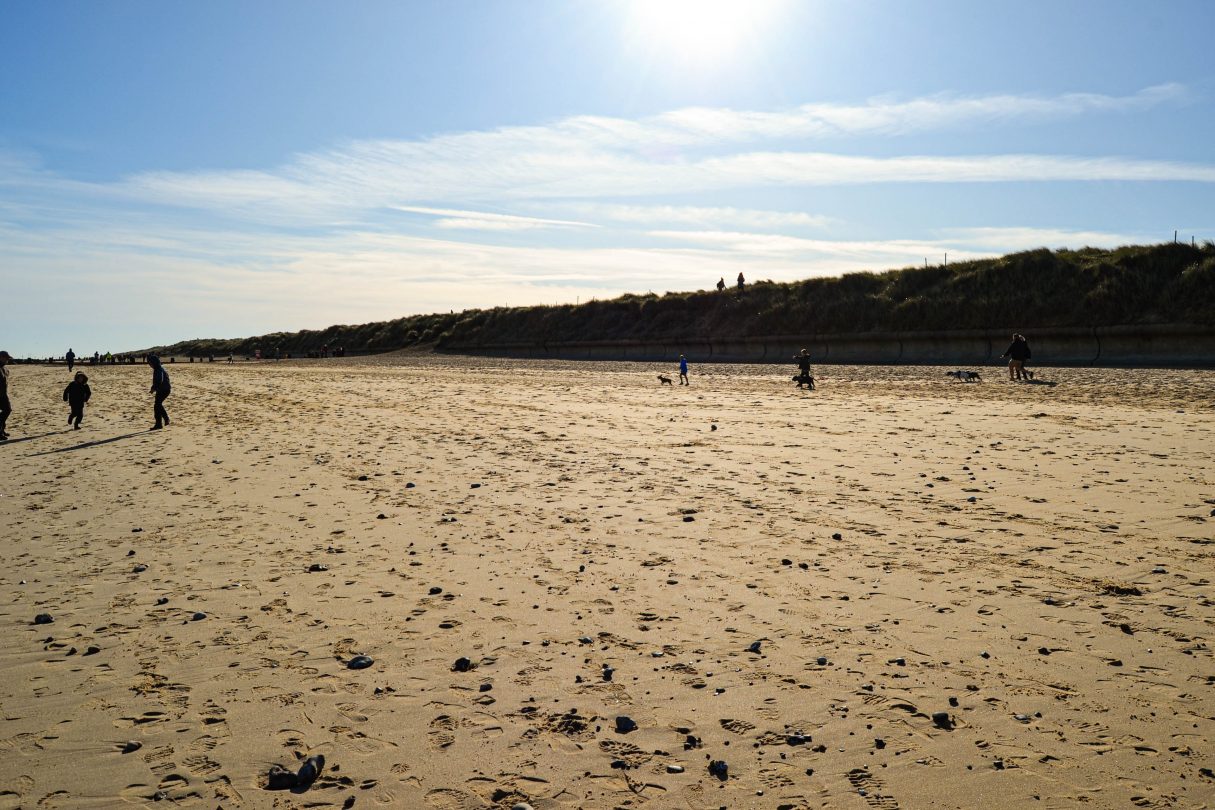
pixel 964 376
pixel 664 379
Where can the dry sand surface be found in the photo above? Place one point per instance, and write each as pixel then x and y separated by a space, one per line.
pixel 792 583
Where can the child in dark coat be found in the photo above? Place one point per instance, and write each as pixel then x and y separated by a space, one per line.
pixel 75 395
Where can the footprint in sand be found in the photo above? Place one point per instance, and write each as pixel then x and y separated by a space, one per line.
pixel 442 731
pixel 448 799
pixel 861 779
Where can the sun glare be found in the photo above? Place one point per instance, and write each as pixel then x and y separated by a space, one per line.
pixel 700 31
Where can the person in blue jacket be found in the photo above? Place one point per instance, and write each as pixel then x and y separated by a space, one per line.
pixel 160 387
pixel 683 370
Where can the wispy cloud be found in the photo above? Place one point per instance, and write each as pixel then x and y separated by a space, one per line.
pixel 488 221
pixel 685 151
pixel 705 216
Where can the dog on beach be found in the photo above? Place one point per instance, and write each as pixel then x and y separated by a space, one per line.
pixel 964 376
pixel 664 379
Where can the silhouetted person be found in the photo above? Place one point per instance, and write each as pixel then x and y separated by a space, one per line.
pixel 160 387
pixel 683 370
pixel 70 357
pixel 5 407
pixel 803 370
pixel 742 282
pixel 721 284
pixel 1017 353
pixel 75 395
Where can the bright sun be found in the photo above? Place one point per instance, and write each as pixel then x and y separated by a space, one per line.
pixel 700 31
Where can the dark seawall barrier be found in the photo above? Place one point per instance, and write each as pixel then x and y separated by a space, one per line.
pixel 1162 345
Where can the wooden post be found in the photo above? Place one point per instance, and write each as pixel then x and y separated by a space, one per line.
pixel 1174 237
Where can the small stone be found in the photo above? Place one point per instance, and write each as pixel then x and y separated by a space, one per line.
pixel 608 672
pixel 311 769
pixel 998 764
pixel 1043 651
pixel 942 720
pixel 797 739
pixel 139 569
pixel 688 518
pixel 317 568
pixel 475 486
pixel 754 648
pixel 461 665
pixel 899 662
pixel 837 536
pixel 435 590
pixel 360 662
pixel 953 701
pixel 381 516
pixel 521 806
pixel 131 746
pixel 879 743
pixel 43 618
pixel 821 660
pixel 625 724
pixel 619 764
pixel 674 769
pixel 198 616
pixel 985 654
pixel 410 485
pixel 586 640
pixel 485 687
pixel 164 600
pixel 279 778
pixel 92 650
pixel 719 768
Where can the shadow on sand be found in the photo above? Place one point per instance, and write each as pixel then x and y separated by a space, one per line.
pixel 32 438
pixel 89 444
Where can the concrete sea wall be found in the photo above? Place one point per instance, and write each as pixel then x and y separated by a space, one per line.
pixel 1164 345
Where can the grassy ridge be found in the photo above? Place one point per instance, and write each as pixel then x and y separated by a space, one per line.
pixel 1168 283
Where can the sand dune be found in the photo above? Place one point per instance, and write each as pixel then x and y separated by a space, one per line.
pixel 895 591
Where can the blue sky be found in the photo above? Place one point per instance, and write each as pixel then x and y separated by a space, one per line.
pixel 178 170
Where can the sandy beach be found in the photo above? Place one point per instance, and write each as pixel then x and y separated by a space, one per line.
pixel 896 591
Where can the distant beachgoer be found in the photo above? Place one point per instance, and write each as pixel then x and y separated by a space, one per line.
pixel 1017 353
pixel 161 388
pixel 5 407
pixel 75 395
pixel 70 357
pixel 721 283
pixel 683 370
pixel 804 377
pixel 741 281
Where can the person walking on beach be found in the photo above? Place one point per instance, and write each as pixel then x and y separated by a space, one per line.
pixel 721 283
pixel 683 370
pixel 742 282
pixel 75 395
pixel 160 387
pixel 1017 353
pixel 5 407
pixel 803 370
pixel 70 357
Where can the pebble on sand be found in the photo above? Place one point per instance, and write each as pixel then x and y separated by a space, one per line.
pixel 625 724
pixel 360 662
pixel 43 618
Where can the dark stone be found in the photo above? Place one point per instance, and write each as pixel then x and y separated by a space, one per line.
pixel 719 768
pixel 360 662
pixel 942 720
pixel 311 769
pixel 279 778
pixel 625 724
pixel 461 665
pixel 43 618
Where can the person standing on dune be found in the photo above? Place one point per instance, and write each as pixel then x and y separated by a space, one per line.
pixel 160 387
pixel 70 357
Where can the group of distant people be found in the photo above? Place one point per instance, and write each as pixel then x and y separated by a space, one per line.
pixel 78 393
pixel 742 283
pixel 1018 354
